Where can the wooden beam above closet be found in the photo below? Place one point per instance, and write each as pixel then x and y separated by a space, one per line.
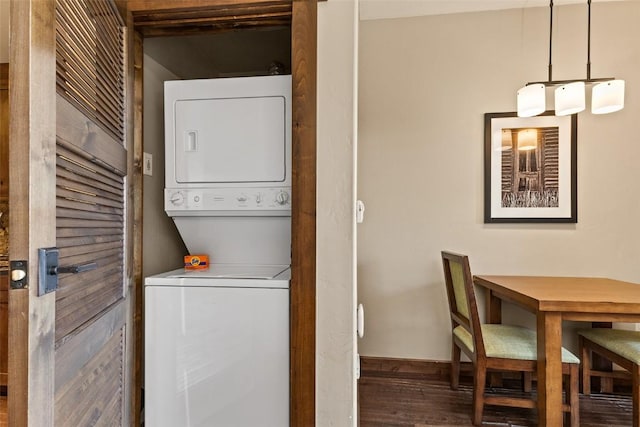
pixel 172 17
pixel 146 5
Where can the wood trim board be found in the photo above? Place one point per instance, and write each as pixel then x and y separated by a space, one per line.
pixel 435 370
pixel 137 183
pixel 145 6
pixel 182 17
pixel 303 213
pixel 4 135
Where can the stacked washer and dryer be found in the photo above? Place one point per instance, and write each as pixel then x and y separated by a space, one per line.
pixel 217 340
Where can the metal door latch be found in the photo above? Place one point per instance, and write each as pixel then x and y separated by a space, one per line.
pixel 48 269
pixel 18 271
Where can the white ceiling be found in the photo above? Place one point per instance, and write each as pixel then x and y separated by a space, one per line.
pixel 382 9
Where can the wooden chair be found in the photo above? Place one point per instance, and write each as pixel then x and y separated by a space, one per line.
pixel 495 347
pixel 622 347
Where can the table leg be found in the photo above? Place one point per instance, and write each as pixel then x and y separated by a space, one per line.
pixel 603 384
pixel 549 325
pixel 493 308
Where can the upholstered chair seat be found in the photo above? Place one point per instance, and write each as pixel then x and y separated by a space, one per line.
pixel 509 342
pixel 619 346
pixel 620 341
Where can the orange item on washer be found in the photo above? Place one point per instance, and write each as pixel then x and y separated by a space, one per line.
pixel 196 262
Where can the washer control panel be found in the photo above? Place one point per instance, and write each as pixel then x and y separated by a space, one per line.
pixel 228 199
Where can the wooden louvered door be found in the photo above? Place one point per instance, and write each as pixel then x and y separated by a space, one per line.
pixel 92 312
pixel 70 358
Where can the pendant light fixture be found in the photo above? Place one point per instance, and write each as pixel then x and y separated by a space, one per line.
pixel 569 98
pixel 607 95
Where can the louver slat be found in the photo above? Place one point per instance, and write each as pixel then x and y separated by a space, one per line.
pixel 78 405
pixel 90 229
pixel 90 61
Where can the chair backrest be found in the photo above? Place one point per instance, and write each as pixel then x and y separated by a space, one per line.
pixel 462 297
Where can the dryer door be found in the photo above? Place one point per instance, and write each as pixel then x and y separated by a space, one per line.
pixel 231 140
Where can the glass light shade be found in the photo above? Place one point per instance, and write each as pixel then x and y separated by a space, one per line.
pixel 531 100
pixel 569 98
pixel 507 141
pixel 527 139
pixel 607 97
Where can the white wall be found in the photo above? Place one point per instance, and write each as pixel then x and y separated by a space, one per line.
pixel 425 84
pixel 162 246
pixel 336 140
pixel 4 31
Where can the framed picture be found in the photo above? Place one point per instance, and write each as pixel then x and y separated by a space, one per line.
pixel 530 168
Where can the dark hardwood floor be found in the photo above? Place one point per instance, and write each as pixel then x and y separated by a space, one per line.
pixel 407 402
pixel 418 402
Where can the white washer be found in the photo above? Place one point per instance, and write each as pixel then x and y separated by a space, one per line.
pixel 217 347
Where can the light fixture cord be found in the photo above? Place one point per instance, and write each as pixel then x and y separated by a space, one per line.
pixel 588 39
pixel 551 37
pixel 550 81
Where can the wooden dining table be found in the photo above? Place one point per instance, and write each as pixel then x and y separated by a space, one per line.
pixel 552 300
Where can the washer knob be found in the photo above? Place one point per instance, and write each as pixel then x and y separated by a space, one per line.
pixel 177 199
pixel 282 198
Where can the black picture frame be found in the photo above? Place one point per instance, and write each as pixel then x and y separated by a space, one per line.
pixel 530 168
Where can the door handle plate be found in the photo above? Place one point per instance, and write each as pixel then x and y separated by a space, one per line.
pixel 47 260
pixel 49 269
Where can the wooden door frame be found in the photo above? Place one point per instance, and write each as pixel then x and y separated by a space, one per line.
pixel 4 197
pixel 303 212
pixel 304 34
pixel 32 97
